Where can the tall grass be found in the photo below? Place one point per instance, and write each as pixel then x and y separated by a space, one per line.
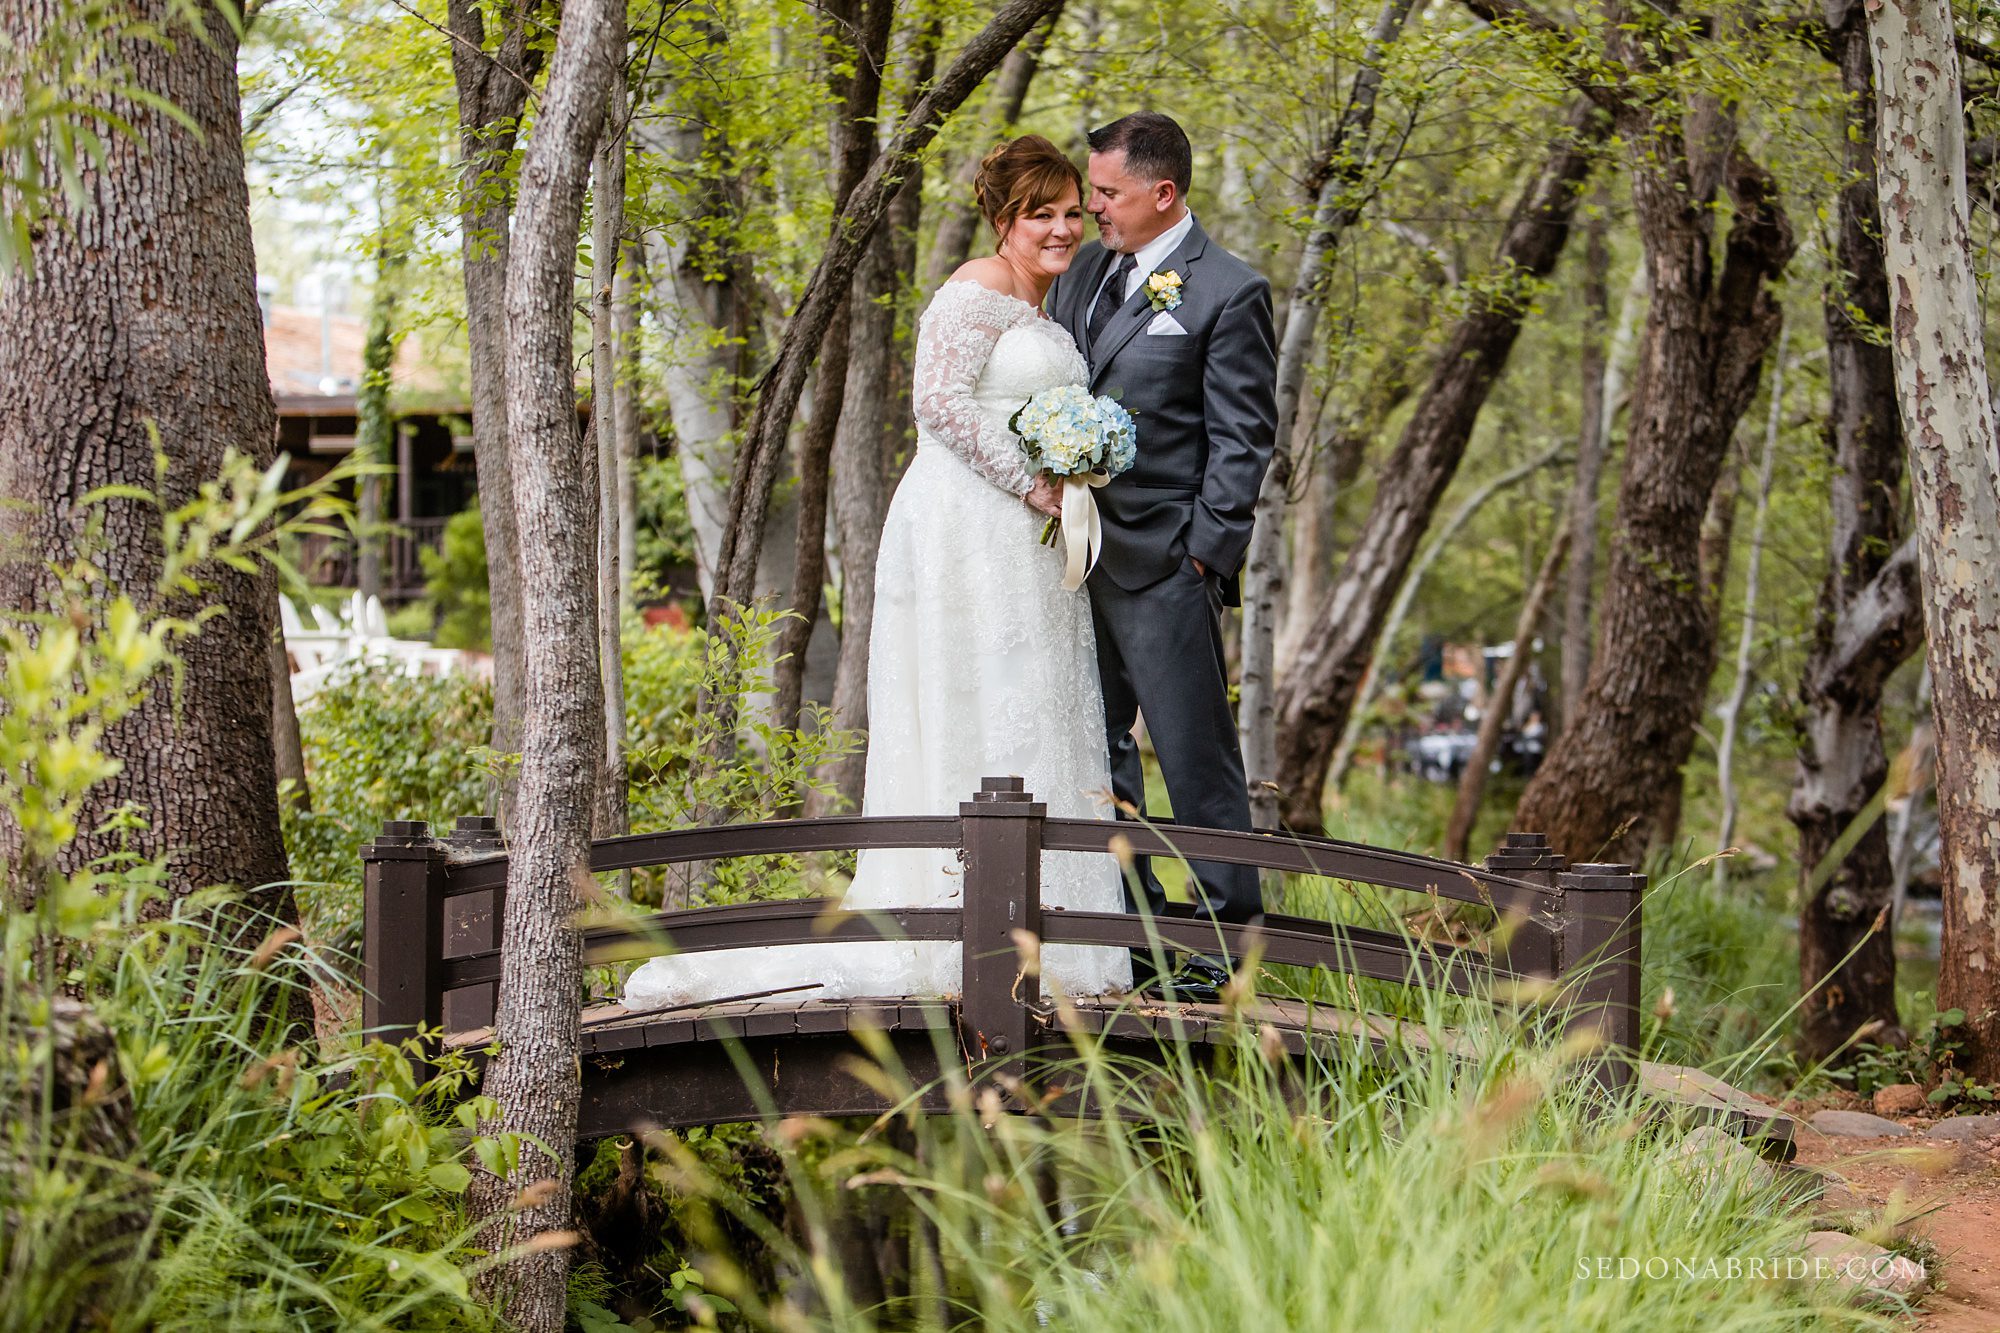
pixel 171 1162
pixel 1344 1190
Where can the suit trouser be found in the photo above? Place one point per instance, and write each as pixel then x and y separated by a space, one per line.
pixel 1159 652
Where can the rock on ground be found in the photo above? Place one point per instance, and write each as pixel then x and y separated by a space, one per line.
pixel 1856 1125
pixel 1965 1128
pixel 1709 1153
pixel 1863 1268
pixel 1900 1099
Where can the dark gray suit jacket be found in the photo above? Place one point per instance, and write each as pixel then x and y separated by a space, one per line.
pixel 1206 407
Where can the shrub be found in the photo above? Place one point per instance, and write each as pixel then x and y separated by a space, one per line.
pixel 455 584
pixel 168 1158
pixel 379 745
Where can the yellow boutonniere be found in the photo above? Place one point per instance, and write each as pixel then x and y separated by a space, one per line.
pixel 1163 290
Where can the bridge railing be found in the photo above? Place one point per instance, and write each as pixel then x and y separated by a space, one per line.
pixel 433 910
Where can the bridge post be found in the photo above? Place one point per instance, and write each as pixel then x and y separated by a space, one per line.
pixel 472 924
pixel 1533 946
pixel 1003 894
pixel 1600 958
pixel 402 933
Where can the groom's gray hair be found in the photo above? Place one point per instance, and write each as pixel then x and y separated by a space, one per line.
pixel 1154 144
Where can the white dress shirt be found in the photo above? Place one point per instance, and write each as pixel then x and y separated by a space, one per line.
pixel 1149 257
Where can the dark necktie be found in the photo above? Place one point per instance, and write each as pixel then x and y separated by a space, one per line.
pixel 1109 299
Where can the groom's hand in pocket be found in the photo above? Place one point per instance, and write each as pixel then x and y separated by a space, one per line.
pixel 1045 496
pixel 1199 567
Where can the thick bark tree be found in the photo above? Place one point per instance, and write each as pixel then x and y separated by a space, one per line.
pixel 1611 782
pixel 1936 328
pixel 141 312
pixel 1870 616
pixel 1314 701
pixel 1339 166
pixel 535 1075
pixel 492 90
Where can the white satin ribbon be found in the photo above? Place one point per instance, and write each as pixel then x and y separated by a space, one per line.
pixel 1082 530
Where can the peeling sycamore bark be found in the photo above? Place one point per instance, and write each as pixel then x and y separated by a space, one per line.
pixel 1935 327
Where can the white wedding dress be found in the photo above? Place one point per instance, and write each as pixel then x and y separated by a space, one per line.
pixel 980 665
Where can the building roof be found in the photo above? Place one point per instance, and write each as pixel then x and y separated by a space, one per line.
pixel 313 359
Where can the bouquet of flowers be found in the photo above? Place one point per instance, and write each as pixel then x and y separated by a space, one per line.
pixel 1083 441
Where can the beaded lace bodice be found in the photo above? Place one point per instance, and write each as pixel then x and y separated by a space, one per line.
pixel 981 354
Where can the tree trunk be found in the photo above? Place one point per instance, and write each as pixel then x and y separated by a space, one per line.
pixel 959 222
pixel 492 91
pixel 140 312
pixel 534 1077
pixel 1378 662
pixel 827 291
pixel 1947 404
pixel 1746 636
pixel 1580 594
pixel 874 425
pixel 1340 165
pixel 1592 432
pixel 374 423
pixel 1499 704
pixel 609 391
pixel 1611 782
pixel 625 286
pixel 858 91
pixel 1314 702
pixel 285 743
pixel 704 294
pixel 1864 627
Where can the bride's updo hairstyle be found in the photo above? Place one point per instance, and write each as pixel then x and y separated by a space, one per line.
pixel 1020 176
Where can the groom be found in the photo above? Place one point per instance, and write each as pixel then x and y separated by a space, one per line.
pixel 1179 330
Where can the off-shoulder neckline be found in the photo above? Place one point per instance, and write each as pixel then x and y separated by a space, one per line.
pixel 1039 313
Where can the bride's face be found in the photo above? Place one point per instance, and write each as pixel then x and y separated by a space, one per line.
pixel 1044 240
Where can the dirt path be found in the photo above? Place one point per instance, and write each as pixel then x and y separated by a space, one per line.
pixel 1947 1194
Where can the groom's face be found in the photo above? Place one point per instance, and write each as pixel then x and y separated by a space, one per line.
pixel 1130 210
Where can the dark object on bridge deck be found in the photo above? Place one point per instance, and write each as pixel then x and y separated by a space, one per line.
pixel 432 953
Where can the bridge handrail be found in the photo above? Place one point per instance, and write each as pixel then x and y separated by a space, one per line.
pixel 719 842
pixel 430 942
pixel 1329 858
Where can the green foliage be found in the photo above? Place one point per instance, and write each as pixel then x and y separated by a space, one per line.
pixel 208 1174
pixel 727 762
pixel 379 745
pixel 663 536
pixel 69 96
pixel 455 584
pixel 168 1157
pixel 1930 1061
pixel 1721 971
pixel 1405 1190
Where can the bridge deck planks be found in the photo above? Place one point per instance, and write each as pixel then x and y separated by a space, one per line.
pixel 788 1029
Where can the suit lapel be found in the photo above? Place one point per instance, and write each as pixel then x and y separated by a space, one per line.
pixel 1136 313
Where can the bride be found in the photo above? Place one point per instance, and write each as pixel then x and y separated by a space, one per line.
pixel 979 663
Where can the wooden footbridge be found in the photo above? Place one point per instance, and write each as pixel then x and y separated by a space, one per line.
pixel 432 958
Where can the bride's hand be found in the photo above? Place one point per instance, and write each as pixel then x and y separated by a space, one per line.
pixel 1045 496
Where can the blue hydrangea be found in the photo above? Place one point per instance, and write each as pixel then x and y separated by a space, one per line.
pixel 1068 432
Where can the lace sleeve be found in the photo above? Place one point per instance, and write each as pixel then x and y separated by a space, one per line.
pixel 954 341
